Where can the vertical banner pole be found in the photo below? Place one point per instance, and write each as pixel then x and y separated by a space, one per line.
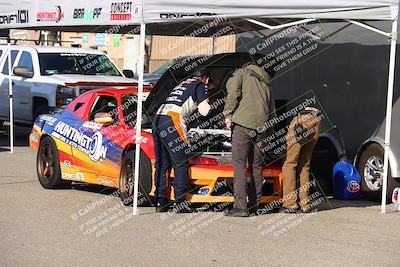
pixel 10 95
pixel 389 104
pixel 139 115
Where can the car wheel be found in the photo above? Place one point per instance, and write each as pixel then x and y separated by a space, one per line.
pixel 48 165
pixel 126 180
pixel 370 167
pixel 1 124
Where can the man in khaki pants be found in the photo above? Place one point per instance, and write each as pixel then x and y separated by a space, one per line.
pixel 299 151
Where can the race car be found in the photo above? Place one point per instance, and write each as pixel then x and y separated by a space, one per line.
pixel 93 141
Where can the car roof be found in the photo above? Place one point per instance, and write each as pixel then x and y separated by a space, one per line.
pixel 119 90
pixel 55 49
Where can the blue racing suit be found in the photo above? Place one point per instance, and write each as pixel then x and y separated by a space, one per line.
pixel 169 135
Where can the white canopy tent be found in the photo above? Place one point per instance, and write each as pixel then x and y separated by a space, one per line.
pixel 181 17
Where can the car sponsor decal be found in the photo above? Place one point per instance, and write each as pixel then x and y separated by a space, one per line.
pixel 67 164
pixel 48 119
pixel 78 176
pixel 34 137
pixel 104 181
pixel 91 146
pixel 92 125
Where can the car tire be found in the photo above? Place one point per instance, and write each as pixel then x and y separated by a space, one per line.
pixel 374 155
pixel 126 179
pixel 48 165
pixel 43 109
pixel 1 124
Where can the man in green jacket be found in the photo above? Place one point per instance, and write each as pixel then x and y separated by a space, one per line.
pixel 249 105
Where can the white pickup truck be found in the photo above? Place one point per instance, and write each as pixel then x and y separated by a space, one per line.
pixel 45 78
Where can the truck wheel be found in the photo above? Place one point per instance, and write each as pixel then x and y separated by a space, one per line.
pixel 48 165
pixel 126 179
pixel 43 109
pixel 370 167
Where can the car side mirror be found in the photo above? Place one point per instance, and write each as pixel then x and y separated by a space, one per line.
pixel 103 118
pixel 128 73
pixel 22 72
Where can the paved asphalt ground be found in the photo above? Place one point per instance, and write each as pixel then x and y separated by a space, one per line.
pixel 87 226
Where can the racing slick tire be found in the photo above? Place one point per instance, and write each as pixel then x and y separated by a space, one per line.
pixel 370 167
pixel 48 165
pixel 126 179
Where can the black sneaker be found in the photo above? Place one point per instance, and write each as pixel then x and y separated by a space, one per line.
pixel 237 213
pixel 162 205
pixel 182 206
pixel 288 210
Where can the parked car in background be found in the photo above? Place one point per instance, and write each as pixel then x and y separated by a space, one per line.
pixel 45 78
pixel 153 77
pixel 369 159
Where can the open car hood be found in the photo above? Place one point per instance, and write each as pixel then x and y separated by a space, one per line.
pixel 220 67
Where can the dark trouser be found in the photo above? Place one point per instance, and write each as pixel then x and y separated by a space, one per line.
pixel 244 149
pixel 169 149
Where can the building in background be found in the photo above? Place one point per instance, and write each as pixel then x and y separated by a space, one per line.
pixel 123 48
pixel 165 48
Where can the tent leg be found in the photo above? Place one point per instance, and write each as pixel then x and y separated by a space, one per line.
pixel 10 94
pixel 138 137
pixel 389 112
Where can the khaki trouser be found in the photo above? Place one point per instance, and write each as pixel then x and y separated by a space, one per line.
pixel 297 162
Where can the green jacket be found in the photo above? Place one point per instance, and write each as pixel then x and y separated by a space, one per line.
pixel 249 100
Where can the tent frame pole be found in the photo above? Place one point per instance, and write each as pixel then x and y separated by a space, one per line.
pixel 138 128
pixel 388 121
pixel 285 25
pixel 10 96
pixel 368 27
pixel 138 137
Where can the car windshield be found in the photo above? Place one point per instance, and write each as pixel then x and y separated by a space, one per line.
pixel 76 63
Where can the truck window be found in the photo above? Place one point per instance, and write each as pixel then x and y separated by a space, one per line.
pixel 14 54
pixel 76 63
pixel 26 61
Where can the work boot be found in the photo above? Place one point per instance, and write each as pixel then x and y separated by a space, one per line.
pixel 162 205
pixel 237 213
pixel 182 206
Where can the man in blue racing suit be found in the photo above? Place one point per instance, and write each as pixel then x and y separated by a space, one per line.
pixel 170 141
